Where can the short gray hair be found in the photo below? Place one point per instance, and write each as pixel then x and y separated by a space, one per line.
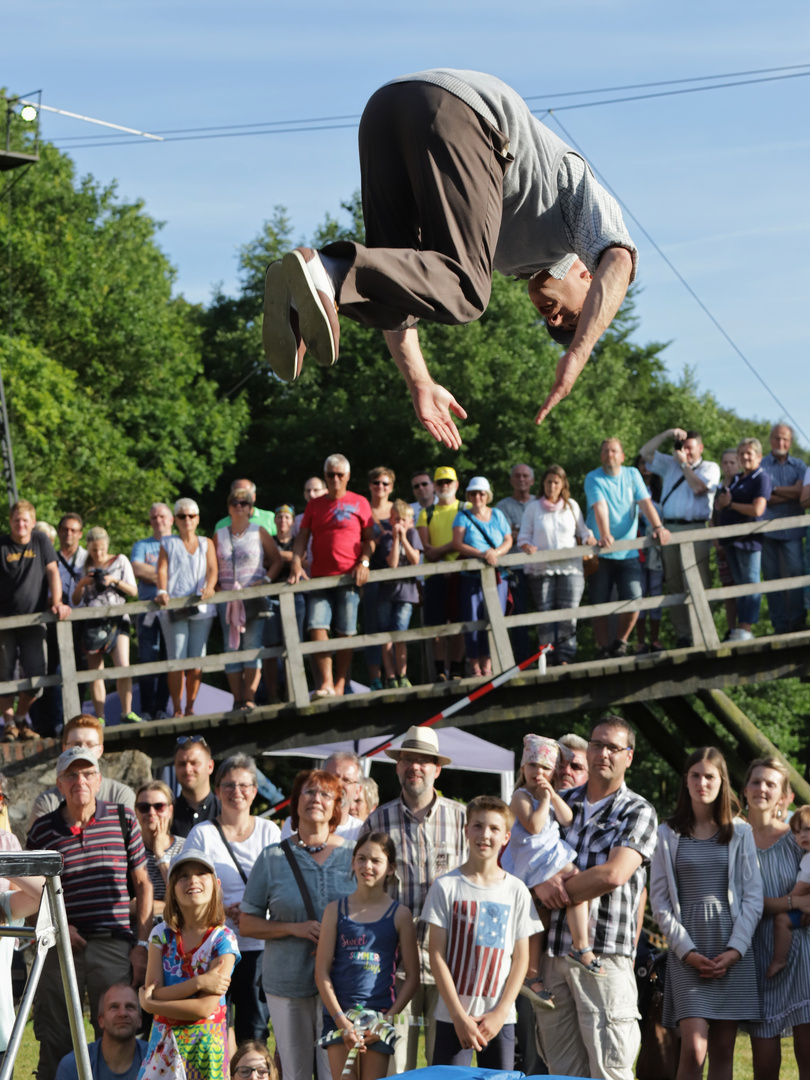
pixel 573 742
pixel 343 755
pixel 371 793
pixel 755 444
pixel 244 483
pixel 234 762
pixel 337 459
pixel 521 465
pixel 98 532
pixel 787 427
pixel 160 506
pixel 186 504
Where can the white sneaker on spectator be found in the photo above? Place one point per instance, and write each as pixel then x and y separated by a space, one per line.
pixel 740 635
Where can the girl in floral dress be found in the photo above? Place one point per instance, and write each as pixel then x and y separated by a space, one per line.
pixel 191 956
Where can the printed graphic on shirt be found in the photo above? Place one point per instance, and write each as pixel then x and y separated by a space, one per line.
pixel 476 946
pixel 359 955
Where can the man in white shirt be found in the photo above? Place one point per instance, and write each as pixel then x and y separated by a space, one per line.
pixel 687 500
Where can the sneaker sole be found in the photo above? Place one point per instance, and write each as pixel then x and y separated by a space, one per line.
pixel 282 346
pixel 318 320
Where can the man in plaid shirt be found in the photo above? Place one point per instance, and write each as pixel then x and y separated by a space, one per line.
pixel 428 831
pixel 594 1031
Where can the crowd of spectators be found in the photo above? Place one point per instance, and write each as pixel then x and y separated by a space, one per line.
pixel 672 488
pixel 727 890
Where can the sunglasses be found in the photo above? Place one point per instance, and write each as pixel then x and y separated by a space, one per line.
pixel 441 483
pixel 182 740
pixel 145 807
pixel 335 475
pixel 240 502
pixel 422 483
pixel 381 483
pixel 183 517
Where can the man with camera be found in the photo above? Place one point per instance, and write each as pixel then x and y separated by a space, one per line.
pixel 687 498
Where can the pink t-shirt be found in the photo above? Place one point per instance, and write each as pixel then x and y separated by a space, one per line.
pixel 337 532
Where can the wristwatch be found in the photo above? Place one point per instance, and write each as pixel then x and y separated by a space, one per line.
pixel 365 562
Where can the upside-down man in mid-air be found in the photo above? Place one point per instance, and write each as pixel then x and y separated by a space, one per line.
pixel 457 178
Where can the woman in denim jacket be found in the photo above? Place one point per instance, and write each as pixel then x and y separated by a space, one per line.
pixel 706 895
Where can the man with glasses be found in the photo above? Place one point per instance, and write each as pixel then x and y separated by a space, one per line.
pixel 71 556
pixel 154 689
pixel 342 529
pixel 573 772
pixel 521 479
pixel 435 527
pixel 424 491
pixel 117 1054
pixel 193 766
pixel 87 732
pixel 593 1031
pixel 101 846
pixel 428 831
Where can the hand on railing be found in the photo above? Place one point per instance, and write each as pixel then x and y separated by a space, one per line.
pixel 60 610
pixel 296 571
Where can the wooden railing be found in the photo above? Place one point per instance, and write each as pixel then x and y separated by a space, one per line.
pixel 696 598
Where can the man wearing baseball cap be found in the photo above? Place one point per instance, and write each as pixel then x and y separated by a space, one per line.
pixel 428 831
pixel 435 525
pixel 100 844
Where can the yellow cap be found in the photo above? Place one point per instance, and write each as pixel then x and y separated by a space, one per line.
pixel 445 472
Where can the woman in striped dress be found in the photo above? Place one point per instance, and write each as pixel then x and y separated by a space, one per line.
pixel 786 996
pixel 706 895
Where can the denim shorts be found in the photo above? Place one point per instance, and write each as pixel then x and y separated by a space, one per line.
pixel 334 609
pixel 394 615
pixel 625 574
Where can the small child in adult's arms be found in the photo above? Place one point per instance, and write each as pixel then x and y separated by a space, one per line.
pixel 785 922
pixel 481 919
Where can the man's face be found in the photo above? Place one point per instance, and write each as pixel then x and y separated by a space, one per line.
pixel 610 757
pixel 70 534
pixel 611 455
pixel 160 518
pixel 447 490
pixel 86 737
pixel 781 441
pixel 693 448
pixel 79 784
pixel 522 480
pixel 423 489
pixel 349 775
pixel 21 526
pixel 120 1018
pixel 314 488
pixel 193 765
pixel 730 466
pixel 417 773
pixel 561 302
pixel 337 480
pixel 573 773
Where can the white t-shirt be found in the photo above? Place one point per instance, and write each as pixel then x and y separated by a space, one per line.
pixel 804 870
pixel 483 922
pixel 590 808
pixel 350 831
pixel 205 837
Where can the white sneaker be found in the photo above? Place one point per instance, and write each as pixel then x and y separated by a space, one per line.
pixel 740 635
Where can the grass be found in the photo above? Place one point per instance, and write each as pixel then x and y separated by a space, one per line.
pixel 743 1069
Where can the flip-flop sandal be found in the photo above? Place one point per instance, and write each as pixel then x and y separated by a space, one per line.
pixel 541 999
pixel 595 966
pixel 281 336
pixel 317 314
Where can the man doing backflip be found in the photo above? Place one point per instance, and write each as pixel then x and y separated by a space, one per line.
pixel 458 178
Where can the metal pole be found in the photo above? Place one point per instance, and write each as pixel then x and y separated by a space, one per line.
pixel 53 886
pixel 25 1008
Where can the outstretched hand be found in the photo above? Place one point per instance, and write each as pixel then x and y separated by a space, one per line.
pixel 433 405
pixel 568 368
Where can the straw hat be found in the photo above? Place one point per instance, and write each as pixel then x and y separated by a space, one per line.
pixel 420 740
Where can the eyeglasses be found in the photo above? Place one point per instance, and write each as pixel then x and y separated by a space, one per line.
pixel 612 750
pixel 182 517
pixel 183 739
pixel 381 483
pixel 83 774
pixel 145 807
pixel 335 475
pixel 246 1071
pixel 313 792
pixel 231 787
pixel 240 502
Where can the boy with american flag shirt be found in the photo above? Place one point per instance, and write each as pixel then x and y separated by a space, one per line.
pixel 481 919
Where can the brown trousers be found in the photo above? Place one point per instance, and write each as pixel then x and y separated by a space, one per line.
pixel 432 179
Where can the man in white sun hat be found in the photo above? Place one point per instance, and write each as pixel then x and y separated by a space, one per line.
pixel 428 831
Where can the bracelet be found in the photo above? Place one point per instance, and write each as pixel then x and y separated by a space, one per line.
pixel 145 944
pixel 164 860
pixel 161 592
pixel 790 902
pixel 340 1012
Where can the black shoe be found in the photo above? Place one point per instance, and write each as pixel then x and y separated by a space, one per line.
pixel 618 648
pixel 456 670
pixel 603 653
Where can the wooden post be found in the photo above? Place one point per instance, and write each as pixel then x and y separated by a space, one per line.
pixel 701 619
pixel 501 646
pixel 71 698
pixel 698 733
pixel 656 734
pixel 293 657
pixel 748 734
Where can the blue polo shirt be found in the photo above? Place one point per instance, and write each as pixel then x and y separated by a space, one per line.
pixel 622 493
pixel 744 488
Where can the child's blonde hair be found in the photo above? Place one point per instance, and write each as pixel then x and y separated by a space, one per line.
pixel 404 510
pixel 172 913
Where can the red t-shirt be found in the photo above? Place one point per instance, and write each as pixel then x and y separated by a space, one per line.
pixel 337 532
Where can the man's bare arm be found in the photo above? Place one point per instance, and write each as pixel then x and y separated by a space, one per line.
pixel 432 403
pixel 608 290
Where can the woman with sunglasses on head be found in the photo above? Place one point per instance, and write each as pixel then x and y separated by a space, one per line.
pixel 233 841
pixel 187 566
pixel 381 482
pixel 154 811
pixel 245 552
pixel 324 862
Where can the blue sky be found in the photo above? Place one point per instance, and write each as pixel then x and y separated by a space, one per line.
pixel 719 179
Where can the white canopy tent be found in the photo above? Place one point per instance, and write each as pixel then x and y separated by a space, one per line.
pixel 466 752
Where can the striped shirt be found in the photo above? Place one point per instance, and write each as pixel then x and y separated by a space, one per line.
pixel 623 821
pixel 426 849
pixel 96 860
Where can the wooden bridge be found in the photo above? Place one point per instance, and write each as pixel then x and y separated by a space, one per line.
pixel 629 684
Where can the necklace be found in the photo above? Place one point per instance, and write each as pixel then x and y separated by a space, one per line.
pixel 313 849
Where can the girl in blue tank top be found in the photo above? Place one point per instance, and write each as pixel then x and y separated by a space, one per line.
pixel 362 938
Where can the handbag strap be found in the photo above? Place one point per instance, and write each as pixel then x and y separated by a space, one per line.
pixel 286 847
pixel 480 527
pixel 681 479
pixel 230 850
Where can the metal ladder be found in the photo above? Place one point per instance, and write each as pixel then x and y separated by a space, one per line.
pixel 51 930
